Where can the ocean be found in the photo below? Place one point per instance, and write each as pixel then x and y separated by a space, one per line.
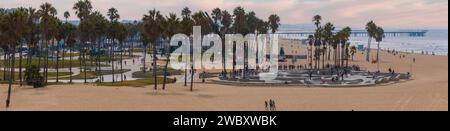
pixel 435 40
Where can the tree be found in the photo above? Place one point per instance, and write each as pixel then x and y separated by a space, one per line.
pixel 152 31
pixel 317 35
pixel 274 22
pixel 83 9
pixel 327 36
pixel 71 32
pixel 371 28
pixel 171 26
pixel 311 43
pixel 352 51
pixel 379 35
pixel 187 23
pixel 33 76
pixel 114 33
pixel 48 24
pixel 346 32
pixel 316 20
pixel 32 36
pixel 60 35
pixel 226 21
pixel 13 26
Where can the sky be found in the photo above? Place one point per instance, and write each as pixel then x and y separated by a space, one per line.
pixel 430 14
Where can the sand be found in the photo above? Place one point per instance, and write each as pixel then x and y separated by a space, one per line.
pixel 427 91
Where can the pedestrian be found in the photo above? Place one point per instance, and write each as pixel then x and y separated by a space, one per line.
pixel 267 108
pixel 274 108
pixel 270 105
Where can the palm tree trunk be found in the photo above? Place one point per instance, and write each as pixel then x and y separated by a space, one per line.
pixel 98 62
pixel 121 61
pixel 368 49
pixel 378 56
pixel 20 64
pixel 145 58
pixel 46 62
pixel 8 99
pixel 165 70
pixel 112 62
pixel 154 67
pixel 70 64
pixel 84 62
pixel 5 63
pixel 57 63
pixel 40 54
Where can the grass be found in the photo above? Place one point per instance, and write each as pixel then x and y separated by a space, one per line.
pixel 89 75
pixel 149 50
pixel 51 63
pixel 68 54
pixel 116 58
pixel 137 83
pixel 53 74
pixel 50 74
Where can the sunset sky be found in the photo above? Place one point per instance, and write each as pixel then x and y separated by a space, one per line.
pixel 354 13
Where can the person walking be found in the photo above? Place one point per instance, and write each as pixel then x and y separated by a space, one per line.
pixel 266 105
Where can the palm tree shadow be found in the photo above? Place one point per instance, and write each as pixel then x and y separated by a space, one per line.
pixel 164 93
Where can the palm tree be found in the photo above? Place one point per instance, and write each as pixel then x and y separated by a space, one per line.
pixel 239 26
pixel 152 30
pixel 100 24
pixel 60 35
pixel 201 19
pixel 379 35
pixel 371 30
pixel 14 26
pixel 114 16
pixel 317 35
pixel 32 36
pixel 64 31
pixel 83 9
pixel 121 36
pixel 48 24
pixel 346 32
pixel 70 43
pixel 311 43
pixel 187 23
pixel 352 51
pixel 317 43
pixel 327 35
pixel 316 20
pixel 227 20
pixel 274 22
pixel 171 24
pixel 335 44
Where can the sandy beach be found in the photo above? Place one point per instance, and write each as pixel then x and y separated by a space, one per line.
pixel 427 91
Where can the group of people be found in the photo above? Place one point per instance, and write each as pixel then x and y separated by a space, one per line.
pixel 270 106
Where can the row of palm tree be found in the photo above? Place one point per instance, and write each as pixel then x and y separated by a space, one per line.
pixel 43 34
pixel 375 32
pixel 156 26
pixel 325 39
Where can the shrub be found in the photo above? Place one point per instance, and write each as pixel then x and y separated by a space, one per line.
pixel 33 77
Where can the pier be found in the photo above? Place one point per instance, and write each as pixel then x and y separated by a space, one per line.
pixel 360 33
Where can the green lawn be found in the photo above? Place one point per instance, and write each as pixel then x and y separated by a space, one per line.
pixel 68 54
pixel 50 74
pixel 89 75
pixel 51 63
pixel 116 58
pixel 149 50
pixel 137 83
